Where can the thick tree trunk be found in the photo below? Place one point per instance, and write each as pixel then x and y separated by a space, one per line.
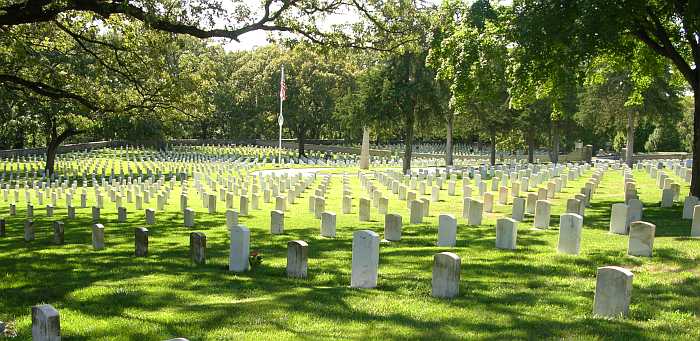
pixel 301 138
pixel 555 142
pixel 531 145
pixel 695 181
pixel 51 150
pixel 449 148
pixel 630 138
pixel 493 147
pixel 55 141
pixel 408 140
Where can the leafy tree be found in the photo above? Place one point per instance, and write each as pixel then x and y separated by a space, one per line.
pixel 556 32
pixel 470 52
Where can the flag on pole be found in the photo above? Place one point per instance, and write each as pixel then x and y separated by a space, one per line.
pixel 283 96
pixel 283 86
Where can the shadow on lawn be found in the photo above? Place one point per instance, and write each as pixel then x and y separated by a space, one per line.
pixel 667 220
pixel 495 289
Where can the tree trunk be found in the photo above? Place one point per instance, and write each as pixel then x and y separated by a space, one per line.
pixel 695 181
pixel 55 141
pixel 555 142
pixel 300 138
pixel 531 145
pixel 493 147
pixel 630 138
pixel 51 150
pixel 448 148
pixel 408 140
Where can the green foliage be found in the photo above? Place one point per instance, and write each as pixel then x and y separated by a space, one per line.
pixel 664 138
pixel 469 51
pixel 619 142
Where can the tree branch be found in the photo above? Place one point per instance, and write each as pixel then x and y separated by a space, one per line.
pixel 671 52
pixel 48 90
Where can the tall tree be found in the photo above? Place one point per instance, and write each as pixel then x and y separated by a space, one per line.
pixel 470 51
pixel 564 31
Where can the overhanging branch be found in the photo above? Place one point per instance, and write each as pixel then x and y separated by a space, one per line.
pixel 47 90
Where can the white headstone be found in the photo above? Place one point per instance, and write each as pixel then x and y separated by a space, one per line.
pixel 542 214
pixel 446 272
pixel 619 218
pixel 392 227
pixel 365 259
pixel 570 226
pixel 328 224
pixel 506 233
pixel 240 249
pixel 613 291
pixel 641 239
pixel 276 222
pixel 447 231
pixel 297 258
pixel 46 324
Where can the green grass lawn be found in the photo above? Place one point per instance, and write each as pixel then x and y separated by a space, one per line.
pixel 530 293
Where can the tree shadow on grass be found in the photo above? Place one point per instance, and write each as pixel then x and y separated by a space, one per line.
pixel 667 220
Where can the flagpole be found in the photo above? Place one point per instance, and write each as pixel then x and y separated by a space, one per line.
pixel 279 120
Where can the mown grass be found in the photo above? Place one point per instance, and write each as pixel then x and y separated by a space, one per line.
pixel 530 293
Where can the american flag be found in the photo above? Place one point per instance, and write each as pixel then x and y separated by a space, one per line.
pixel 283 86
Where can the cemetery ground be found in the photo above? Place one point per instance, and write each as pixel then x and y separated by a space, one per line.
pixel 532 292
